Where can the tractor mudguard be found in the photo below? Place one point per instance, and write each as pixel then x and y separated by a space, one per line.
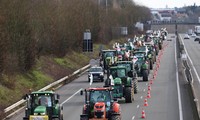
pixel 116 108
pixel 128 82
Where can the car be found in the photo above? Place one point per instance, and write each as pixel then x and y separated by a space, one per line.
pixel 197 39
pixel 193 35
pixel 190 31
pixel 186 36
pixel 96 73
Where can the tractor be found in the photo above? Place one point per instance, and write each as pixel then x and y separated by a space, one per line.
pixel 100 105
pixel 108 57
pixel 122 84
pixel 156 44
pixel 43 105
pixel 130 72
pixel 142 65
pixel 151 55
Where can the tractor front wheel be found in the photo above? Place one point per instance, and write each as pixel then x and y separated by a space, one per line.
pixel 145 75
pixel 84 118
pixel 115 117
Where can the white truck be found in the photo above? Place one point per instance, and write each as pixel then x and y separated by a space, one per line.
pixel 197 30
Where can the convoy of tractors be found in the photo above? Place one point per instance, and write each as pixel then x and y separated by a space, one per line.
pixel 122 66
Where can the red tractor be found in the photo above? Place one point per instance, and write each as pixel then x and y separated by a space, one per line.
pixel 100 105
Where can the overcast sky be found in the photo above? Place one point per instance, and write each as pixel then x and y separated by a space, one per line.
pixel 169 3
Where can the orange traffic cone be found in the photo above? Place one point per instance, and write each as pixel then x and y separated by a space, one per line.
pixel 145 102
pixel 143 114
pixel 148 94
pixel 151 81
pixel 149 87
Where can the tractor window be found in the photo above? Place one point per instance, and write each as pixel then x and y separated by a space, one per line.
pixel 143 48
pixel 99 96
pixel 128 66
pixel 121 73
pixel 42 100
pixel 95 69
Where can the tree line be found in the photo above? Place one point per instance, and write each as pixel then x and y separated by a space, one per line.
pixel 32 28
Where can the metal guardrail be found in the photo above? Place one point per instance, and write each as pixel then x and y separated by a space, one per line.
pixel 189 78
pixel 17 104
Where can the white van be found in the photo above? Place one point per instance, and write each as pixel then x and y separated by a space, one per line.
pixel 197 30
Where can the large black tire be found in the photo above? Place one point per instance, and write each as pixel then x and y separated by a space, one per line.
pixel 160 46
pixel 84 118
pixel 145 75
pixel 157 51
pixel 129 94
pixel 151 64
pixel 102 79
pixel 107 82
pixel 135 86
pixel 115 117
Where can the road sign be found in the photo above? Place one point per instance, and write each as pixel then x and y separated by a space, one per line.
pixel 87 42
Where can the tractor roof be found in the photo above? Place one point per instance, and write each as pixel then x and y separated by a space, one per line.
pixel 42 92
pixel 118 62
pixel 139 52
pixel 100 88
pixel 118 67
pixel 108 50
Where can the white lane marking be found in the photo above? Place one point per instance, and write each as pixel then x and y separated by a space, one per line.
pixel 141 97
pixel 71 96
pixel 138 106
pixel 190 60
pixel 178 87
pixel 133 117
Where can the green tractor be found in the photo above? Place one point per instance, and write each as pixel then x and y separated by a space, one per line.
pixel 130 72
pixel 108 57
pixel 142 65
pixel 43 105
pixel 156 44
pixel 122 84
pixel 151 55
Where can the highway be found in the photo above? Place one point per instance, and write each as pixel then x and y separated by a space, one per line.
pixel 169 96
pixel 192 49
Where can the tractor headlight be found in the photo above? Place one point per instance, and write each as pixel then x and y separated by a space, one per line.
pixel 35 113
pixel 42 113
pixel 101 74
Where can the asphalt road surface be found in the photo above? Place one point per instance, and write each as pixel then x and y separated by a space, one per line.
pixel 192 49
pixel 169 100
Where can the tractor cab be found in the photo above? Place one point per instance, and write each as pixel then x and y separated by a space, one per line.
pixel 100 105
pixel 108 58
pixel 43 105
pixel 122 84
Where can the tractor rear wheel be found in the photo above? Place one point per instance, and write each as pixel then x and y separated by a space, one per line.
pixel 135 86
pixel 160 46
pixel 151 64
pixel 115 117
pixel 129 95
pixel 145 75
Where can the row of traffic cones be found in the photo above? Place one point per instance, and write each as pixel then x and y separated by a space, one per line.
pixel 151 82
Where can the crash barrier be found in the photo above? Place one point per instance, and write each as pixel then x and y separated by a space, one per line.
pixel 187 71
pixel 188 77
pixel 19 103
